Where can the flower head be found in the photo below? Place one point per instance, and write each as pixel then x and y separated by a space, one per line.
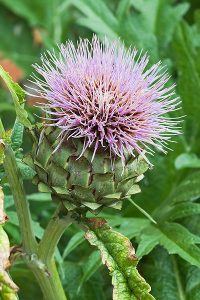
pixel 106 95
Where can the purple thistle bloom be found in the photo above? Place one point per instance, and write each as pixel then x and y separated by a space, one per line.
pixel 105 94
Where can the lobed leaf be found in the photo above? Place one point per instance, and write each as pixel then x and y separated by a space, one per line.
pixel 160 17
pixel 175 238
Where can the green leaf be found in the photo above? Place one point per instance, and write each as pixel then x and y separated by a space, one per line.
pixel 161 17
pixel 40 197
pixel 187 60
pixel 132 227
pixel 187 160
pixel 175 238
pixel 188 189
pixel 13 219
pixel 36 197
pixel 122 8
pixel 26 280
pixel 119 256
pixel 92 264
pixel 193 283
pixel 17 135
pixel 92 289
pixel 182 210
pixel 16 45
pixel 160 270
pixel 18 98
pixel 168 18
pixel 73 243
pixel 99 17
pixel 150 25
pixel 26 171
pixel 9 201
pixel 35 12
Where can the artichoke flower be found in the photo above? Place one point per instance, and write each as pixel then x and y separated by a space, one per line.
pixel 105 111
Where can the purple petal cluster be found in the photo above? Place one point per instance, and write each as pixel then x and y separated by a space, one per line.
pixel 106 95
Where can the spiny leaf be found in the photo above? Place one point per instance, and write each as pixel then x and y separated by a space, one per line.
pixel 119 256
pixel 18 96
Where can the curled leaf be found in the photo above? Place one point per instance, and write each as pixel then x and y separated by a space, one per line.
pixel 118 254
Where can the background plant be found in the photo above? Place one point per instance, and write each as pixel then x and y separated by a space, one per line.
pixel 169 251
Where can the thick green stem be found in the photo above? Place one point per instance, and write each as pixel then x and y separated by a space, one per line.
pixel 55 230
pixel 43 266
pixel 16 184
pixel 46 251
pixel 50 283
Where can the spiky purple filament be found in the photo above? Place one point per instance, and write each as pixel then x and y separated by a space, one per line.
pixel 104 93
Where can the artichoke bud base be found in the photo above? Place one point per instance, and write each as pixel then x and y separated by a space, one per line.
pixel 80 183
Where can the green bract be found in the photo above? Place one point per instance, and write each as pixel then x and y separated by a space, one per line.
pixel 79 183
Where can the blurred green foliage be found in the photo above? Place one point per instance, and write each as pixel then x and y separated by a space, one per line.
pixel 169 30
